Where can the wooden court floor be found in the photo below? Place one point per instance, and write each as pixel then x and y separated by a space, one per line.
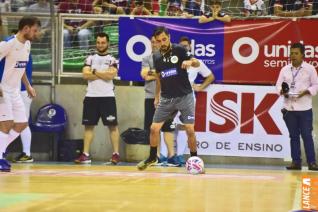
pixel 68 187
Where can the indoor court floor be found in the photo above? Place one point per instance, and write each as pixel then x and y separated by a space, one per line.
pixel 98 187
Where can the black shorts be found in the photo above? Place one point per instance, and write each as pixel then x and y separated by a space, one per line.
pixel 99 107
pixel 149 112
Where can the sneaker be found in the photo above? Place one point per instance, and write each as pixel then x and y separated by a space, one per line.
pixel 173 161
pixel 23 158
pixel 146 163
pixel 4 166
pixel 83 159
pixel 115 158
pixel 181 160
pixel 162 161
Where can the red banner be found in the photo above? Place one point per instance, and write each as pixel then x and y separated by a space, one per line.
pixel 256 50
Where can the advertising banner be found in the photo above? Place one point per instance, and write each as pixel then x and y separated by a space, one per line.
pixel 241 52
pixel 236 120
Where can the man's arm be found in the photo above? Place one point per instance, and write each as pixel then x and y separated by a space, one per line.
pixel 225 18
pixel 203 19
pixel 4 49
pixel 28 87
pixel 109 74
pixel 158 89
pixel 88 74
pixel 278 11
pixel 147 74
pixel 207 81
pixel 192 62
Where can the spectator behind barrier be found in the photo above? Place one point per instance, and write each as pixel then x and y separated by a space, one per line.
pixel 5 6
pixel 110 7
pixel 42 6
pixel 292 8
pixel 76 28
pixel 254 7
pixel 193 7
pixel 140 9
pixel 214 12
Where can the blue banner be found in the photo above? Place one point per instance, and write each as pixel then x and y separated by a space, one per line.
pixel 207 42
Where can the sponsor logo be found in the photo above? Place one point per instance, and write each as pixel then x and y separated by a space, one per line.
pixel 274 55
pixel 174 59
pixel 169 73
pixel 197 49
pixel 309 194
pixel 21 64
pixel 224 104
pixel 110 118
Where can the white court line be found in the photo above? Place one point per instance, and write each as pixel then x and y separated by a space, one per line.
pixel 297 197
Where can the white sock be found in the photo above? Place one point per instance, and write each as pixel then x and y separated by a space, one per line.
pixel 182 143
pixel 85 153
pixel 26 141
pixel 12 136
pixel 3 143
pixel 163 146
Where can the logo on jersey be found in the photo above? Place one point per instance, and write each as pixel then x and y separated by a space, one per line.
pixel 169 73
pixel 174 59
pixel 21 64
pixel 110 118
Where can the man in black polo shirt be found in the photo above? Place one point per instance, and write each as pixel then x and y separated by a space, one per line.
pixel 175 92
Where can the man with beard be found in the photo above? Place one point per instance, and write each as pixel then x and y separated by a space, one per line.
pixel 175 92
pixel 100 69
pixel 14 56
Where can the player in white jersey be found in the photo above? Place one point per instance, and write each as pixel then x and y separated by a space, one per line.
pixel 14 56
pixel 193 72
pixel 100 69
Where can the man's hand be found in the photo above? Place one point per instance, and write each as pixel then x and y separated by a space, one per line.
pixel 303 93
pixel 31 92
pixel 186 64
pixel 196 88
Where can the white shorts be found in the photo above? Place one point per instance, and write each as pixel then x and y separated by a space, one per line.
pixel 27 103
pixel 12 107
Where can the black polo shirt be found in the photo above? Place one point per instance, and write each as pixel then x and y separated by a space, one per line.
pixel 174 80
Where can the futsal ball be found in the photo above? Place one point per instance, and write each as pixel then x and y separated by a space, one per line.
pixel 195 165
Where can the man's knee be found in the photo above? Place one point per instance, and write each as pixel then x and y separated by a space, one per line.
pixel 6 126
pixel 155 129
pixel 19 127
pixel 190 130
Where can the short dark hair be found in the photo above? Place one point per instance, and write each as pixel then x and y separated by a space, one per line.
pixel 299 46
pixel 103 35
pixel 185 38
pixel 139 2
pixel 28 21
pixel 160 30
pixel 216 3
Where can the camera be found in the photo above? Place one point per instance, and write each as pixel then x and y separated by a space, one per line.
pixel 285 88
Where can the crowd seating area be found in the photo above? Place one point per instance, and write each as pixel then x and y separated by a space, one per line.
pixel 79 41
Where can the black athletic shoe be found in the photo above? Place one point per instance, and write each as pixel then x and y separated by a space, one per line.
pixel 146 163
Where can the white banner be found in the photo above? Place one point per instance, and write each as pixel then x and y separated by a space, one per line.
pixel 240 121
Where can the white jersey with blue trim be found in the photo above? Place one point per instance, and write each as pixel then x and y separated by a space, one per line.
pixel 14 57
